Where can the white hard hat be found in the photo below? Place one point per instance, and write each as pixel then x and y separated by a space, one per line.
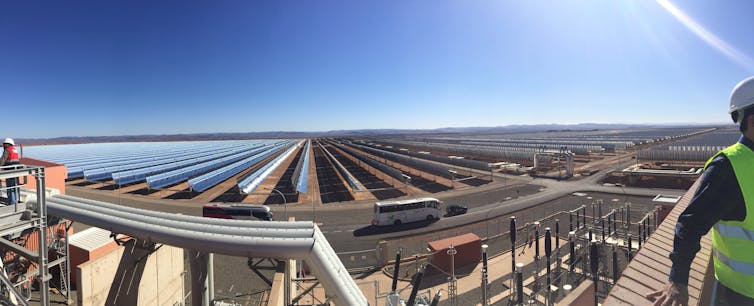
pixel 9 141
pixel 742 98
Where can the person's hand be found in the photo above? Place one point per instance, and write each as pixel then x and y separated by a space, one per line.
pixel 672 294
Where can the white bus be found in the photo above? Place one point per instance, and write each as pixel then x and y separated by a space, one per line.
pixel 406 211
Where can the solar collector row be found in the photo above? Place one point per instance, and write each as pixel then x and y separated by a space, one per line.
pixel 101 174
pixel 127 153
pixel 459 162
pixel 76 154
pixel 486 150
pixel 423 165
pixel 207 180
pixel 301 173
pixel 251 182
pixel 181 174
pixel 124 157
pixel 138 175
pixel 375 185
pixel 124 164
pixel 392 172
pixel 355 184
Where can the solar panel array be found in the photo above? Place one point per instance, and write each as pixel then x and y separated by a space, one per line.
pixel 202 164
pixel 697 148
pixel 508 146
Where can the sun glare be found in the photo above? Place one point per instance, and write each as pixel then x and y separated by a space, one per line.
pixel 708 37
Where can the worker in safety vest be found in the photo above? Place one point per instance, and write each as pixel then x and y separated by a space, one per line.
pixel 723 202
pixel 10 157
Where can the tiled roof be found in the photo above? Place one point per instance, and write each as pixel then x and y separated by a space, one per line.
pixel 648 271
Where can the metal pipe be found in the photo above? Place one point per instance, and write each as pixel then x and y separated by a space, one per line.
pixel 211 279
pixel 197 223
pixel 321 258
pixel 602 225
pixel 396 267
pixel 578 218
pixel 44 286
pixel 109 207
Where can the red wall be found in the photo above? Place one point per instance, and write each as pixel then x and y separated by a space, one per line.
pixel 55 174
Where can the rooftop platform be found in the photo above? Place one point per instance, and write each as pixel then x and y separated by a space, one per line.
pixel 648 271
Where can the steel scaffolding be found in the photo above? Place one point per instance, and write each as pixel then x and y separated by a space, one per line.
pixel 24 220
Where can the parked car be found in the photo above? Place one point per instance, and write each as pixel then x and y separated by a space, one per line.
pixel 455 210
pixel 242 212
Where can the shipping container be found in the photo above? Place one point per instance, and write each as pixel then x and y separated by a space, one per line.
pixel 467 246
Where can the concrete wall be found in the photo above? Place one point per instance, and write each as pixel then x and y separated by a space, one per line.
pixel 130 275
pixel 80 256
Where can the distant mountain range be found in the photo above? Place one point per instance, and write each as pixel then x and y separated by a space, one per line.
pixel 346 133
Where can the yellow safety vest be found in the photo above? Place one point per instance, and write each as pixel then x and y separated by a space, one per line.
pixel 733 241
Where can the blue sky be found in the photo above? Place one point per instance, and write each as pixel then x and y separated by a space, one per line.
pixel 150 67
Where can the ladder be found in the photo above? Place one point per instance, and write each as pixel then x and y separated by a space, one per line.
pixel 63 278
pixel 59 246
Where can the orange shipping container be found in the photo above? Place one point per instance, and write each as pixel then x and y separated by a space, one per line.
pixel 467 246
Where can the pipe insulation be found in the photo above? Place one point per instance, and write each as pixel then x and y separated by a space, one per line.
pixel 280 240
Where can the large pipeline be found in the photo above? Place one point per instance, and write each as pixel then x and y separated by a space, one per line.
pixel 280 240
